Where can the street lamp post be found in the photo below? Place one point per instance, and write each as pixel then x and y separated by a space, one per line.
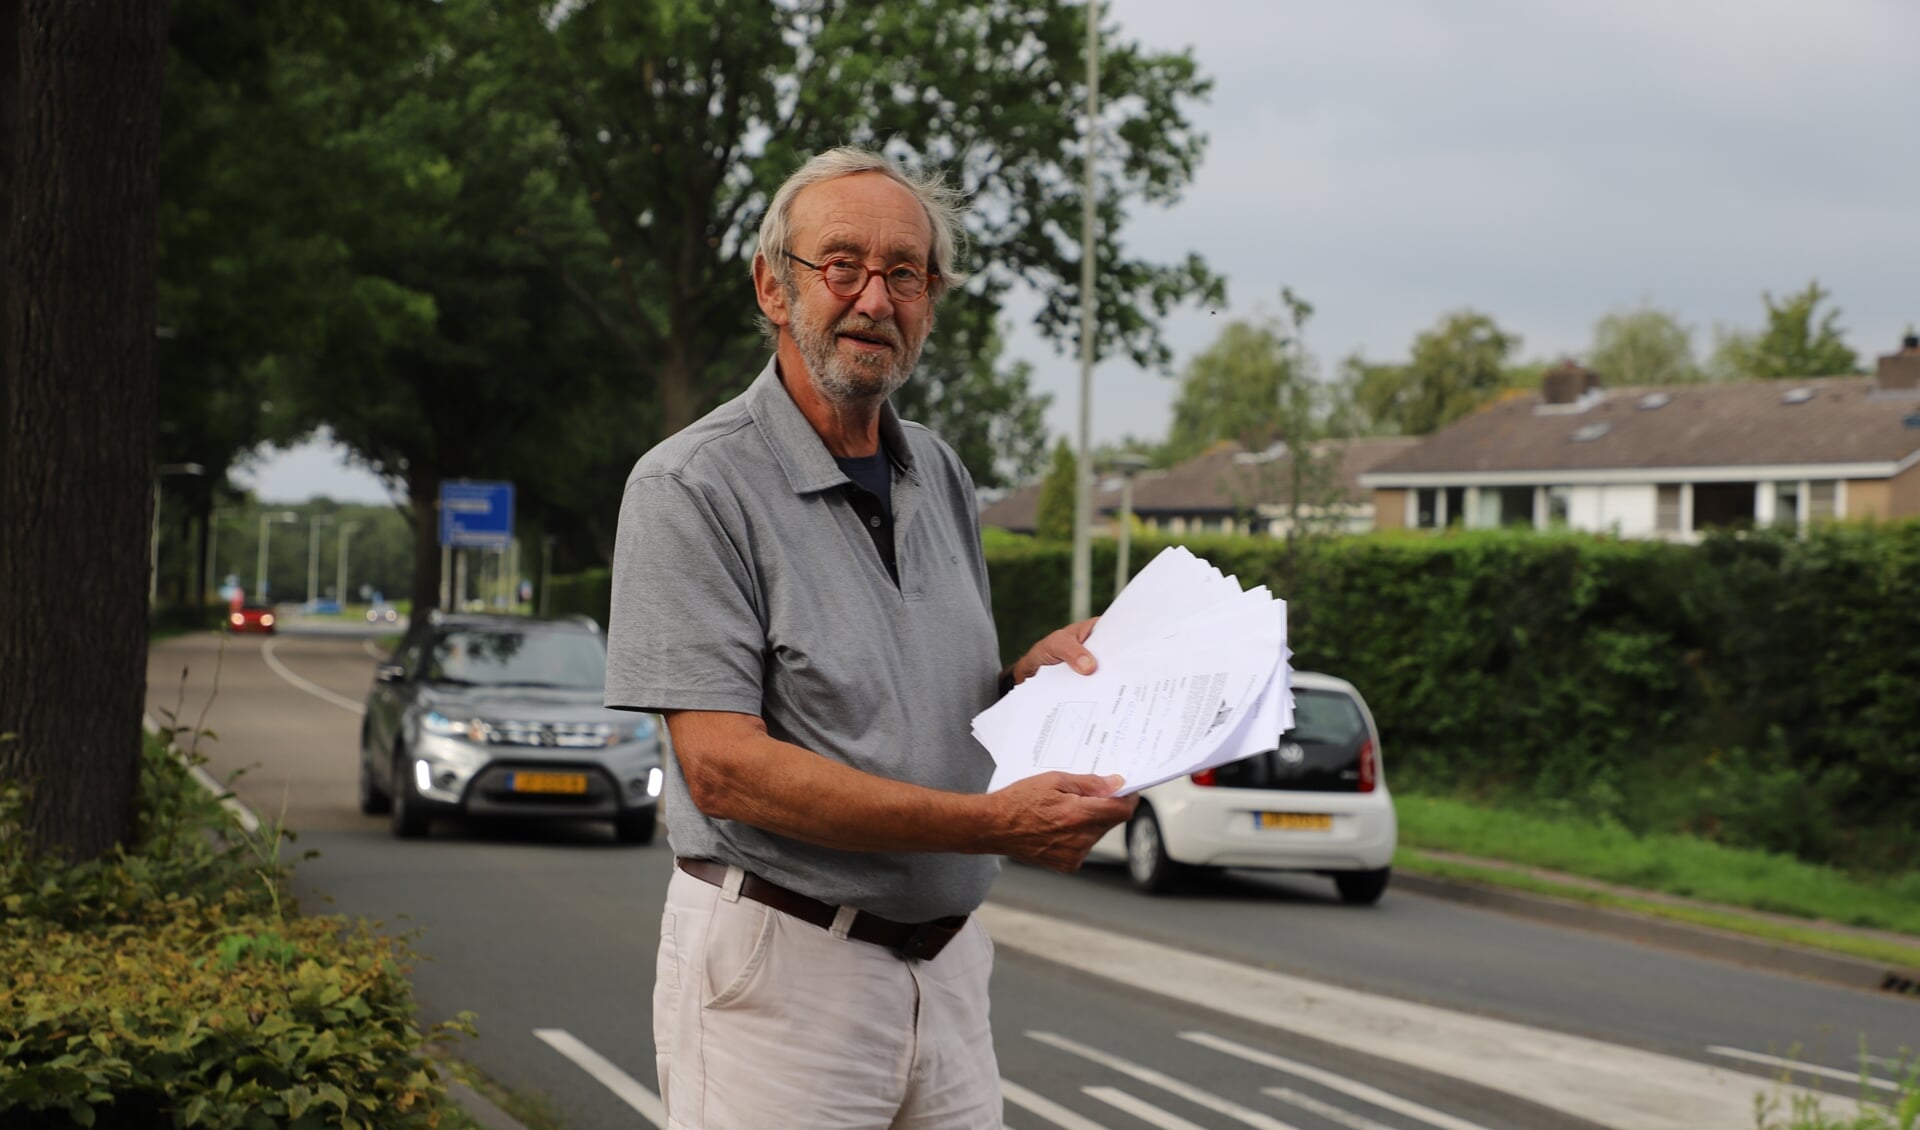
pixel 1081 599
pixel 266 520
pixel 213 547
pixel 1128 465
pixel 313 556
pixel 340 585
pixel 153 548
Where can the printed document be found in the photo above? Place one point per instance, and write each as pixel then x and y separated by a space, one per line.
pixel 1193 673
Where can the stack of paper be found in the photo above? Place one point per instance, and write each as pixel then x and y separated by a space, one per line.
pixel 1193 673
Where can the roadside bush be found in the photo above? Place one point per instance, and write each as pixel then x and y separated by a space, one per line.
pixel 1758 689
pixel 171 984
pixel 590 592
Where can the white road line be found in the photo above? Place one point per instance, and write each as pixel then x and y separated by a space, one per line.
pixel 1046 1108
pixel 619 1082
pixel 1611 1084
pixel 367 646
pixel 1333 1082
pixel 1327 1111
pixel 1793 1065
pixel 1142 1109
pixel 1165 1082
pixel 242 815
pixel 312 688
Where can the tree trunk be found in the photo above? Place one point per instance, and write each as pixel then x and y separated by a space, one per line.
pixel 77 460
pixel 677 406
pixel 9 100
pixel 423 497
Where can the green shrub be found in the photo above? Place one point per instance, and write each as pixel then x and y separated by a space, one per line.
pixel 171 984
pixel 589 593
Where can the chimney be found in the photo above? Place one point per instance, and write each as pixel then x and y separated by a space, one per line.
pixel 1901 371
pixel 1567 382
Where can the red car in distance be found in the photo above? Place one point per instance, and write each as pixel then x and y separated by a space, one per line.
pixel 251 618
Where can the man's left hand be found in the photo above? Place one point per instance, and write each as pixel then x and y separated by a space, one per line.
pixel 1063 645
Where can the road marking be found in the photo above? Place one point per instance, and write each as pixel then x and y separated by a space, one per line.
pixel 312 688
pixel 1333 1082
pixel 1046 1108
pixel 619 1082
pixel 1809 1068
pixel 1141 1109
pixel 1165 1082
pixel 1327 1111
pixel 1611 1084
pixel 367 646
pixel 242 815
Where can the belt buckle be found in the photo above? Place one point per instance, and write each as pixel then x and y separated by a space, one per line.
pixel 926 939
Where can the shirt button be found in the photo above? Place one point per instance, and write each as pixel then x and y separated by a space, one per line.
pixel 874 522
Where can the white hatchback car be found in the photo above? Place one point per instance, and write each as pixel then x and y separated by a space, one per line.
pixel 1316 802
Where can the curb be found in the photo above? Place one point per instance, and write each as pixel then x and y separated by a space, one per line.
pixel 480 1108
pixel 1701 941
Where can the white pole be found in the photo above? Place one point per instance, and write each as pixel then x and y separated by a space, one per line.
pixel 1083 477
pixel 260 590
pixel 313 557
pixel 340 585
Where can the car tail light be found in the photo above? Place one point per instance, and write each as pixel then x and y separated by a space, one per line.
pixel 267 620
pixel 1206 777
pixel 1369 768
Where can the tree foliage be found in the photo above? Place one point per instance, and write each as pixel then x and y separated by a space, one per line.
pixel 990 415
pixel 1058 495
pixel 1456 367
pixel 1798 341
pixel 1643 347
pixel 1248 386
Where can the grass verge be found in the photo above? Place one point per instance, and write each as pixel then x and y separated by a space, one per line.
pixel 1675 865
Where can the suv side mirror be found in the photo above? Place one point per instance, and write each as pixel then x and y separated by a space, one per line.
pixel 390 673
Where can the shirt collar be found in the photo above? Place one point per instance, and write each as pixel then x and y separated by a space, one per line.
pixel 802 454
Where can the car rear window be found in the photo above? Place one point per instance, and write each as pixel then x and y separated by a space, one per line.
pixel 1328 717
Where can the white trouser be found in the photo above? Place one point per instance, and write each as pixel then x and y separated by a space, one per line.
pixel 762 1021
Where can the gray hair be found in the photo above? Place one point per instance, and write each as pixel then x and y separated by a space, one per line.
pixel 941 204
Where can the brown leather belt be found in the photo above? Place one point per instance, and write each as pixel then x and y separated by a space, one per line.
pixel 922 941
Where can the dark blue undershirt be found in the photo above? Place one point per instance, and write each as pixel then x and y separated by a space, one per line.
pixel 872 496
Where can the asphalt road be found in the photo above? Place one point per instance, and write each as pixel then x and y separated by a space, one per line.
pixel 548 932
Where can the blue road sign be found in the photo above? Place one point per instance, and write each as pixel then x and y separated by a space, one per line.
pixel 476 515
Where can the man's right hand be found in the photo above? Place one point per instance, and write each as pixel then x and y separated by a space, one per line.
pixel 1052 820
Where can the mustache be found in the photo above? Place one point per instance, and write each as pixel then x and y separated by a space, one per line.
pixel 861 324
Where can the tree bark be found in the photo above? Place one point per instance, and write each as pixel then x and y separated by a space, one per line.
pixel 9 101
pixel 77 459
pixel 423 498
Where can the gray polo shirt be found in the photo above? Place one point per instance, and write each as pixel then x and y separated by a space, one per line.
pixel 744 581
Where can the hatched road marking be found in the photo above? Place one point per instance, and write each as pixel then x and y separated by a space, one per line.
pixel 1809 1068
pixel 1141 1109
pixel 1329 1080
pixel 1165 1082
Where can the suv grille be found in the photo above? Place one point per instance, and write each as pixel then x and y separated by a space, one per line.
pixel 550 735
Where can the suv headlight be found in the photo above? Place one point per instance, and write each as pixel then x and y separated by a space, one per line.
pixel 440 725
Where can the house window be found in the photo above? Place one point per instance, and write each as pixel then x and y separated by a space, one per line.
pixel 1786 504
pixel 1666 515
pixel 1823 501
pixel 1559 505
pixel 1426 509
pixel 1516 506
pixel 1456 508
pixel 1722 504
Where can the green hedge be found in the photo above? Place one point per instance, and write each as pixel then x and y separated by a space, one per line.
pixel 589 593
pixel 1760 690
pixel 171 985
pixel 1757 689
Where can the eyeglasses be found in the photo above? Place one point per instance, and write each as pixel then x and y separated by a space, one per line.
pixel 846 278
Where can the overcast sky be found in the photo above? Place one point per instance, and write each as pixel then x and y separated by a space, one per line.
pixel 1544 163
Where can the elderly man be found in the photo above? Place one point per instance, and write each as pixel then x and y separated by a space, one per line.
pixel 799 589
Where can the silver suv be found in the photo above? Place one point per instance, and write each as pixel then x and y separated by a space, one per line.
pixel 501 716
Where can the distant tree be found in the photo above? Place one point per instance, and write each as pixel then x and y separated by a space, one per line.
pixel 990 415
pixel 77 415
pixel 1242 387
pixel 1456 367
pixel 1054 520
pixel 1643 347
pixel 1798 341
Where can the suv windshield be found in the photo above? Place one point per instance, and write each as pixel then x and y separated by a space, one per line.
pixel 565 660
pixel 1325 717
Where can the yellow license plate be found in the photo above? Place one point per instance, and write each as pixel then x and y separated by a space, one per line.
pixel 573 783
pixel 1297 821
